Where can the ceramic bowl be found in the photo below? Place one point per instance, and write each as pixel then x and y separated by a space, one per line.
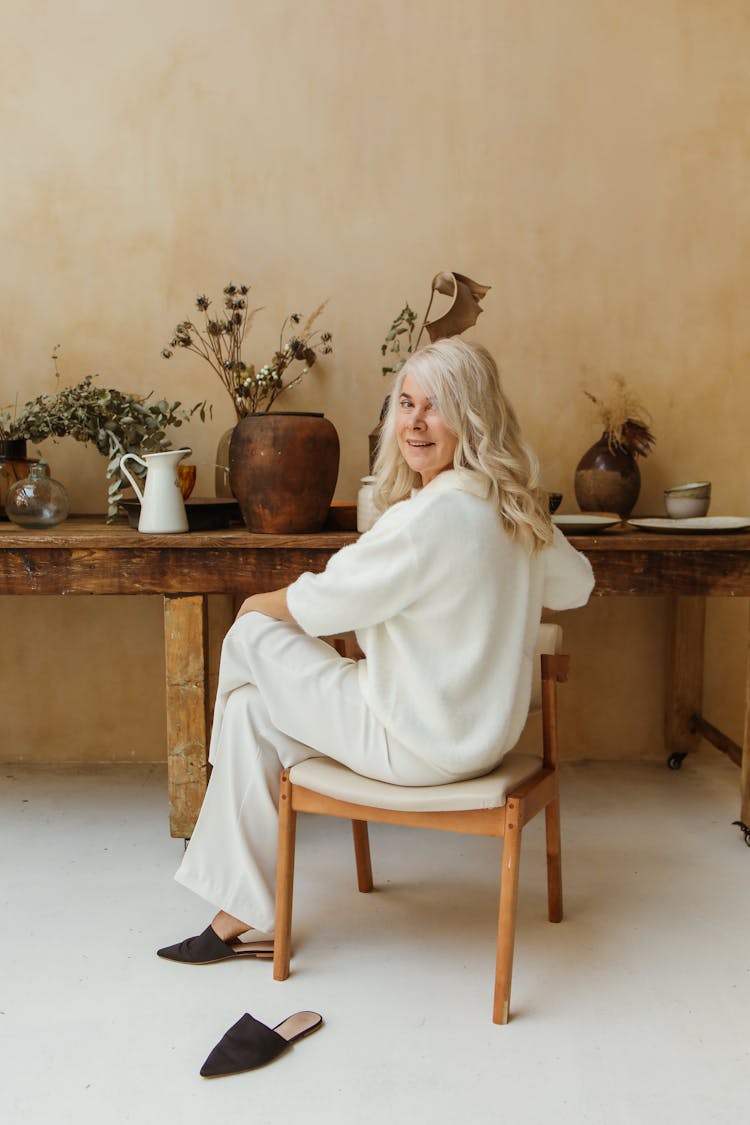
pixel 700 488
pixel 686 507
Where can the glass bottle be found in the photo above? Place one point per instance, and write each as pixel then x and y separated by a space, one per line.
pixel 37 501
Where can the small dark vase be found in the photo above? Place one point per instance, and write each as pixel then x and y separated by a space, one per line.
pixel 283 469
pixel 607 479
pixel 14 466
pixel 374 435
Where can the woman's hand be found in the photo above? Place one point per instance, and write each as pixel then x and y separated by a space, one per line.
pixel 272 604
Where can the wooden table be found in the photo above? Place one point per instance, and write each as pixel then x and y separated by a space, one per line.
pixel 84 556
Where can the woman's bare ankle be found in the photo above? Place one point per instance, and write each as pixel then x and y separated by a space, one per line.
pixel 227 927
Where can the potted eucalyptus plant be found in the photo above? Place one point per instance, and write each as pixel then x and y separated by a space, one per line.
pixel 115 422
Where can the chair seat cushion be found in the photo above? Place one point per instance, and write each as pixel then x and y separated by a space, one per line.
pixel 330 778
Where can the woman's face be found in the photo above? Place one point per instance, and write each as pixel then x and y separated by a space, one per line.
pixel 426 443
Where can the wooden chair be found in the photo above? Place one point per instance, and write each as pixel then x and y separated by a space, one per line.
pixel 498 804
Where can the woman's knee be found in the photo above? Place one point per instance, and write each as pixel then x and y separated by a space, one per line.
pixel 243 701
pixel 255 633
pixel 247 626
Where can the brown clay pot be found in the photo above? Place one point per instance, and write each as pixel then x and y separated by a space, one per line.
pixel 607 480
pixel 283 469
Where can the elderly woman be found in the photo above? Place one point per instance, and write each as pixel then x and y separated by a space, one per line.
pixel 445 595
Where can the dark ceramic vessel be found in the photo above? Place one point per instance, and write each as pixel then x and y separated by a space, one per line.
pixel 283 469
pixel 607 479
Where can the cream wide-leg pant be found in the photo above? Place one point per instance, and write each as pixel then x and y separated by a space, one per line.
pixel 282 697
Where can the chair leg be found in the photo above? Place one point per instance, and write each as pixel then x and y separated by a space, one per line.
pixel 284 881
pixel 506 929
pixel 554 861
pixel 362 855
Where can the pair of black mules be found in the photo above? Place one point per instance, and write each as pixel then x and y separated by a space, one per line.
pixel 249 1043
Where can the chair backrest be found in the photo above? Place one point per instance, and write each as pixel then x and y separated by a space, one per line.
pixel 549 639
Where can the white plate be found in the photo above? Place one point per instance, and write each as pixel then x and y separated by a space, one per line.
pixel 583 523
pixel 698 524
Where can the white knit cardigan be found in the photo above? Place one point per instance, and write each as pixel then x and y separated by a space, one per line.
pixel 445 606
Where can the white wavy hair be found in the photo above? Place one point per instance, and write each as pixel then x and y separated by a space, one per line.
pixel 463 383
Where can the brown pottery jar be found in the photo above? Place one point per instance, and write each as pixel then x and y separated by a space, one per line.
pixel 283 469
pixel 607 479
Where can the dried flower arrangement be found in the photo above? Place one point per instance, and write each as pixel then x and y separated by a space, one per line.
pixel 626 422
pixel 463 311
pixel 115 422
pixel 220 343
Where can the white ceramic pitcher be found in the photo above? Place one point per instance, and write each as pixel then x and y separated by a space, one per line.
pixel 162 506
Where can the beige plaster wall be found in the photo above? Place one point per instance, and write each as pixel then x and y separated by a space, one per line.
pixel 587 158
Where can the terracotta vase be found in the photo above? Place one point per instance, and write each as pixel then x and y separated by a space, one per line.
pixel 607 479
pixel 283 469
pixel 14 466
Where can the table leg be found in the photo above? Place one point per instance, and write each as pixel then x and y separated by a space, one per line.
pixel 221 614
pixel 185 650
pixel 684 690
pixel 745 782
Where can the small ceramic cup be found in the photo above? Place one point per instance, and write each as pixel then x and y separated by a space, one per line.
pixel 687 501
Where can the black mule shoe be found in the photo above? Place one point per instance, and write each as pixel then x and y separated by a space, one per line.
pixel 249 1043
pixel 208 948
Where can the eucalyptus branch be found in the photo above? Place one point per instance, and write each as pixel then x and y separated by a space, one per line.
pixel 403 324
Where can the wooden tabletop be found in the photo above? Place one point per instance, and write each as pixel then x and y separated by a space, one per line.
pixel 627 560
pixel 85 555
pixel 92 531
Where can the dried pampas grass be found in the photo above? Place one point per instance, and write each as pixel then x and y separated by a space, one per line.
pixel 625 419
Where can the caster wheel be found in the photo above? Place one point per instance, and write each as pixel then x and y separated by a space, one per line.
pixel 744 829
pixel 674 761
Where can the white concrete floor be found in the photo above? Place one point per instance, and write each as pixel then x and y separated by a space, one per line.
pixel 634 1010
